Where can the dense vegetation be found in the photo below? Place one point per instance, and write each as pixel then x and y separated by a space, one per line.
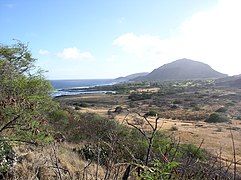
pixel 24 101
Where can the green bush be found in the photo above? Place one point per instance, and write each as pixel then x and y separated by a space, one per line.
pixel 190 150
pixel 94 153
pixel 89 126
pixel 77 108
pixel 196 108
pixel 216 118
pixel 139 96
pixel 58 115
pixel 151 112
pixel 230 104
pixel 221 110
pixel 177 101
pixel 81 104
pixel 160 170
pixel 24 95
pixel 6 157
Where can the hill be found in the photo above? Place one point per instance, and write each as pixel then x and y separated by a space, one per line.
pixel 232 81
pixel 130 77
pixel 182 69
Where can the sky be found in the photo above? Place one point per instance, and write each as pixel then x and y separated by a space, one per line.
pixel 77 39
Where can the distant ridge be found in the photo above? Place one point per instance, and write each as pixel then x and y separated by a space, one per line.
pixel 182 69
pixel 130 77
pixel 231 81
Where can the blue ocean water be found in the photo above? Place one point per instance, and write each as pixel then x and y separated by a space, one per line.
pixel 74 87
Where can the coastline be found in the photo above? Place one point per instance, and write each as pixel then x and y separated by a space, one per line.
pixel 81 86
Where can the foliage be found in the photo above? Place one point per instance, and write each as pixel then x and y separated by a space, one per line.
pixel 216 118
pixel 139 96
pixel 151 112
pixel 93 152
pixel 118 109
pixel 159 170
pixel 58 116
pixel 80 104
pixel 190 150
pixel 177 101
pixel 25 95
pixel 6 157
pixel 221 110
pixel 87 126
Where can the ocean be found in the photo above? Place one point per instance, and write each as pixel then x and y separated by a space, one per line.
pixel 75 87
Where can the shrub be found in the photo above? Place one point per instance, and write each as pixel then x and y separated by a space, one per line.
pixel 81 104
pixel 216 118
pixel 177 101
pixel 24 95
pixel 58 115
pixel 190 150
pixel 6 158
pixel 94 153
pixel 89 126
pixel 151 113
pixel 174 128
pixel 77 108
pixel 174 106
pixel 139 96
pixel 160 170
pixel 222 110
pixel 230 104
pixel 118 109
pixel 196 108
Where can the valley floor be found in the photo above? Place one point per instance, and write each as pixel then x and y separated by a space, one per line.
pixel 214 137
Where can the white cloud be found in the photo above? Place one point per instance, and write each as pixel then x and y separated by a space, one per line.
pixel 212 36
pixel 74 54
pixel 43 52
pixel 141 46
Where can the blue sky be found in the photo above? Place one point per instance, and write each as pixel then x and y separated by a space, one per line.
pixel 76 39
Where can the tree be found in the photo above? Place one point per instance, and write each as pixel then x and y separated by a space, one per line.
pixel 25 100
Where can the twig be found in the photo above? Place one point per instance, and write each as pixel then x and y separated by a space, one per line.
pixel 9 123
pixel 18 140
pixel 234 157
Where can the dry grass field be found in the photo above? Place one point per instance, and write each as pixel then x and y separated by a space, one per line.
pixel 216 137
pixel 182 115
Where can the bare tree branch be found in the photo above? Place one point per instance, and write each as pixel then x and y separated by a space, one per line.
pixel 9 123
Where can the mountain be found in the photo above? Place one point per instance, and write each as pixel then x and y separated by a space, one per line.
pixel 182 69
pixel 130 77
pixel 232 81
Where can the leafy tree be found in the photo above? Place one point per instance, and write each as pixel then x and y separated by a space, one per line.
pixel 25 100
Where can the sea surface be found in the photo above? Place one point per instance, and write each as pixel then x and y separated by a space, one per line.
pixel 75 87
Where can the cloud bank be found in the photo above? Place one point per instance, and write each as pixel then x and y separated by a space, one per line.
pixel 212 36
